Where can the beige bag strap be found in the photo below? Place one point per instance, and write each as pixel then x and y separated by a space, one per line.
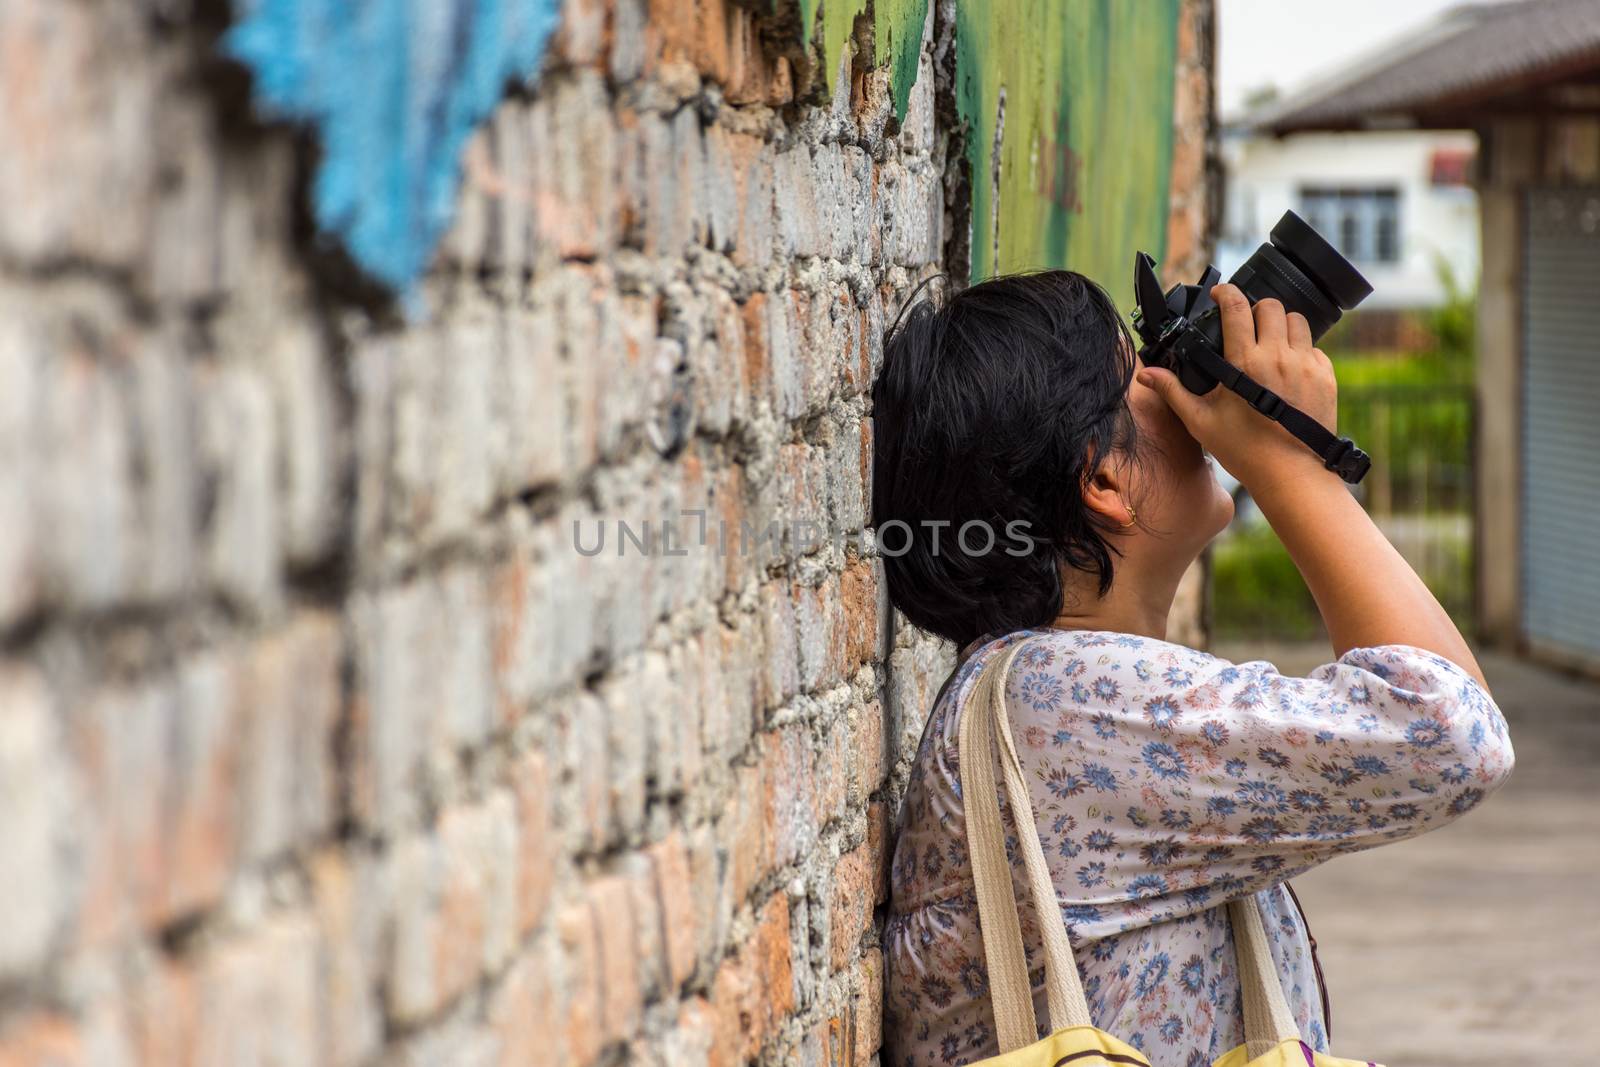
pixel 1267 1019
pixel 985 726
pixel 1009 988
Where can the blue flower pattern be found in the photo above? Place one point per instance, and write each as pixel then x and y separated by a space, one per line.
pixel 1166 781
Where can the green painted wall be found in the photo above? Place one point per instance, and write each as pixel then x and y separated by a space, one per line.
pixel 1085 147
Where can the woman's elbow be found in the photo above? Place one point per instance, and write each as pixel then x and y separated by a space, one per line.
pixel 1484 754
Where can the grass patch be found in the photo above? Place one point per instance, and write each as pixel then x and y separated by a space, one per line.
pixel 1362 370
pixel 1257 590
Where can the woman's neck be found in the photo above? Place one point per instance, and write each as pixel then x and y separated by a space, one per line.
pixel 1127 609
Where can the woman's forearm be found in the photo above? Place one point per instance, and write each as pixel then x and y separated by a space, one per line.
pixel 1366 591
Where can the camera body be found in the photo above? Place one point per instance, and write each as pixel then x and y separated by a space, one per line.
pixel 1181 329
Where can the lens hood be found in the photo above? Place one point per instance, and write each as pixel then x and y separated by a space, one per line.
pixel 1303 246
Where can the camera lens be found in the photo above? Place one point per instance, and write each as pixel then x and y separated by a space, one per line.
pixel 1300 268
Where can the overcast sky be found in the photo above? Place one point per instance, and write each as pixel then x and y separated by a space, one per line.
pixel 1288 42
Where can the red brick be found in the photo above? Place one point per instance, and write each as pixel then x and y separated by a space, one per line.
pixel 713 53
pixel 800 488
pixel 1182 240
pixel 508 615
pixel 732 668
pixel 290 697
pixel 585 768
pixel 669 685
pixel 831 774
pixel 728 508
pixel 580 41
pixel 454 907
pixel 712 892
pixel 718 38
pixel 650 936
pixel 611 901
pixel 522 1011
pixel 747 159
pixel 204 828
pixel 781 89
pixel 349 913
pixel 38 821
pixel 697 491
pixel 462 907
pixel 163 1016
pixel 835 1041
pixel 858 358
pixel 744 832
pixel 44 1039
pixel 737 1026
pixel 820 634
pixel 757 331
pixel 696 1030
pixel 879 846
pixel 858 589
pixel 850 905
pixel 750 69
pixel 118 740
pixel 571 193
pixel 781 674
pixel 771 949
pixel 811 323
pixel 788 784
pixel 581 1026
pixel 669 860
pixel 673 28
pixel 754 988
pixel 536 840
pixel 867 1010
pixel 1188 36
pixel 86 142
pixel 260 992
pixel 871 757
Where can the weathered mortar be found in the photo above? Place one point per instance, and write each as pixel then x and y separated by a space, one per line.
pixel 320 742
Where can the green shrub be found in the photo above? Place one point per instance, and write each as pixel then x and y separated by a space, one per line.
pixel 1257 591
pixel 1454 324
pixel 1412 412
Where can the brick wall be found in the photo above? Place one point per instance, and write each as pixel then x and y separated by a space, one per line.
pixel 321 741
pixel 1196 212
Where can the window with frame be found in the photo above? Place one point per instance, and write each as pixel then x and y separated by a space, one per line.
pixel 1362 223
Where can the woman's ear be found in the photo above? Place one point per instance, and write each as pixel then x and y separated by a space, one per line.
pixel 1104 492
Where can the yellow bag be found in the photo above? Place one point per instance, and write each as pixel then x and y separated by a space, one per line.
pixel 1271 1036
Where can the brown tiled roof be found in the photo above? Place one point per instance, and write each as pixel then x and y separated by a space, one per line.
pixel 1473 53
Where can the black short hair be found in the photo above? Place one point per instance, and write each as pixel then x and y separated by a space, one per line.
pixel 993 405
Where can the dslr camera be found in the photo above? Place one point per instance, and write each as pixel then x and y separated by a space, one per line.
pixel 1181 330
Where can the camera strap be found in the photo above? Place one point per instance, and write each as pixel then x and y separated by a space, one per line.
pixel 1338 454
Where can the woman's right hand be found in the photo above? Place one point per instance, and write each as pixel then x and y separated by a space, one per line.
pixel 1276 350
pixel 1367 593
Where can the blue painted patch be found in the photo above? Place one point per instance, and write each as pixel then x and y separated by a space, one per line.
pixel 394 89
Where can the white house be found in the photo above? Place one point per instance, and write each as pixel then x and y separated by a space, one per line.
pixel 1525 77
pixel 1392 201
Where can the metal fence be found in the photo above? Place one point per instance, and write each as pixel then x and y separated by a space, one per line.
pixel 1419 492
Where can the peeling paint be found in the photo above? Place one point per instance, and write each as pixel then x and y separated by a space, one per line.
pixel 393 88
pixel 896 31
pixel 1080 166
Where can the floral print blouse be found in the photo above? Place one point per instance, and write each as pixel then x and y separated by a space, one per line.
pixel 1165 782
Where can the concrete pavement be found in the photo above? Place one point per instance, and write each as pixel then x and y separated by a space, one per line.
pixel 1477 944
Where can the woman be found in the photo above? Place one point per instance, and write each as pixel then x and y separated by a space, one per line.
pixel 1165 781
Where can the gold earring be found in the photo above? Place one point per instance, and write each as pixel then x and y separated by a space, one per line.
pixel 1132 518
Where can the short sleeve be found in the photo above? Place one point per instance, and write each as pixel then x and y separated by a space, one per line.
pixel 1170 780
